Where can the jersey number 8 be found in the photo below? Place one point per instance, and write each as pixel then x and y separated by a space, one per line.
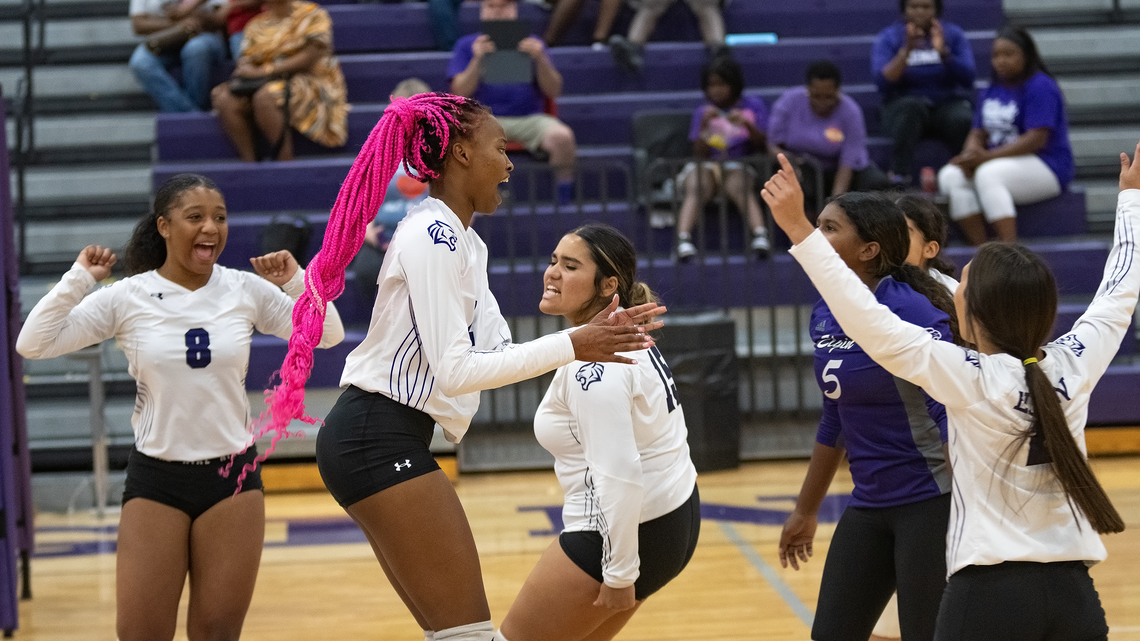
pixel 197 348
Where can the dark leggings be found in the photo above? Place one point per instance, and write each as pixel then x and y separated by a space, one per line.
pixel 875 551
pixel 1022 601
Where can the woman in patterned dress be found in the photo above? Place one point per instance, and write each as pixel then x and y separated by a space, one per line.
pixel 291 41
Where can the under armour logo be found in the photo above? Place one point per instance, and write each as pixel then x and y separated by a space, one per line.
pixel 157 295
pixel 407 463
pixel 443 234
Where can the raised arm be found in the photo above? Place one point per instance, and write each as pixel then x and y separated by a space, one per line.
pixel 1096 335
pixel 64 321
pixel 282 270
pixel 948 373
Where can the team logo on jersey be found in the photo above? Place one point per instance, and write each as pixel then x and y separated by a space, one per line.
pixel 407 463
pixel 1072 342
pixel 972 358
pixel 443 234
pixel 832 343
pixel 589 374
pixel 935 334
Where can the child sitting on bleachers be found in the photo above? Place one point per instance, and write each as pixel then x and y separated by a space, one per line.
pixel 727 128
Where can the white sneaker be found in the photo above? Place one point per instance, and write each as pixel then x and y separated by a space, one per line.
pixel 760 245
pixel 685 249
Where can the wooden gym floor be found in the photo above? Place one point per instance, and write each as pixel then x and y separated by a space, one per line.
pixel 318 578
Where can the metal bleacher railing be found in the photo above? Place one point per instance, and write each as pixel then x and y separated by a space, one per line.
pixel 33 18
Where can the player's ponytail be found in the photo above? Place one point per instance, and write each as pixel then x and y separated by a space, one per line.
pixel 146 249
pixel 614 257
pixel 1011 297
pixel 416 131
pixel 877 219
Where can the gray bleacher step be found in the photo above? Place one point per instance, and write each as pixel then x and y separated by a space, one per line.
pixel 1100 198
pixel 77 80
pixel 129 182
pixel 1094 49
pixel 68 237
pixel 90 130
pixel 1025 6
pixel 1112 94
pixel 1096 149
pixel 85 32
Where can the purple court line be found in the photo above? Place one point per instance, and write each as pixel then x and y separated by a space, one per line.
pixel 343 530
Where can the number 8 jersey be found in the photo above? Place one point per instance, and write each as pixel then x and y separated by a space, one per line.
pixel 188 350
pixel 892 430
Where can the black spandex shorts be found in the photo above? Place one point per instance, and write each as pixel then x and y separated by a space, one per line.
pixel 1022 601
pixel 664 547
pixel 874 552
pixel 192 487
pixel 370 443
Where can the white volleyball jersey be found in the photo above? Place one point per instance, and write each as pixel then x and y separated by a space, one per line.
pixel 187 350
pixel 948 282
pixel 618 437
pixel 437 337
pixel 1008 505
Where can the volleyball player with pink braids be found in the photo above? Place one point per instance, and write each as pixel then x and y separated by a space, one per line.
pixel 437 338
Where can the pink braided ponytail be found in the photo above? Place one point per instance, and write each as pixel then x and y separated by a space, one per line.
pixel 415 131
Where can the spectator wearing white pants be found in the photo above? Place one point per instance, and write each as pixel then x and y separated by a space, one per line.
pixel 1018 150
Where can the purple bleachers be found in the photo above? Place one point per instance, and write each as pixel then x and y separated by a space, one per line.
pixel 671 66
pixel 405 26
pixel 1113 401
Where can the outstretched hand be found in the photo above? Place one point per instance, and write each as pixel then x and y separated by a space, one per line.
pixel 277 267
pixel 97 260
pixel 1130 171
pixel 785 198
pixel 613 331
pixel 644 316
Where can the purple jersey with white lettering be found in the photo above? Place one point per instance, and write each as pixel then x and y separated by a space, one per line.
pixel 892 431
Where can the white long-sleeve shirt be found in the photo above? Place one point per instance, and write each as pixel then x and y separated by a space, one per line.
pixel 188 350
pixel 437 337
pixel 1003 508
pixel 618 437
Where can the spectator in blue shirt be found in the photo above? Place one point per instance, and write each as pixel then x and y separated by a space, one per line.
pixel 1018 151
pixel 925 72
pixel 519 108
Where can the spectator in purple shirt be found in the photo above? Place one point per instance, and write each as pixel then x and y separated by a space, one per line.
pixel 728 127
pixel 519 108
pixel 925 71
pixel 1018 151
pixel 821 122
